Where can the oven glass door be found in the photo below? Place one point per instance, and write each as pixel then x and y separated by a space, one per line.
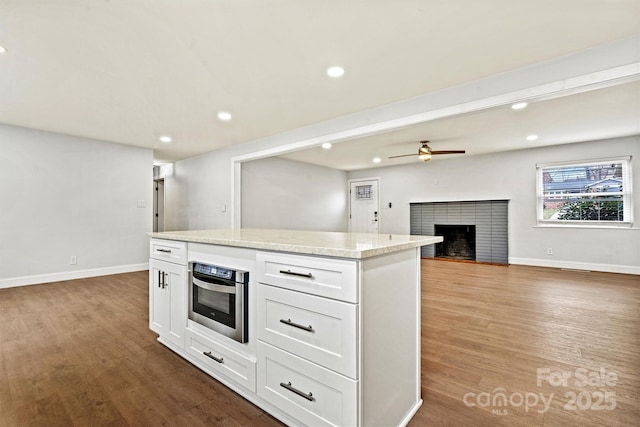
pixel 215 298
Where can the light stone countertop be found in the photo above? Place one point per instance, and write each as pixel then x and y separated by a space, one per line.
pixel 333 244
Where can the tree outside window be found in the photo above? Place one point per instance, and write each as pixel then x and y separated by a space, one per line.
pixel 598 191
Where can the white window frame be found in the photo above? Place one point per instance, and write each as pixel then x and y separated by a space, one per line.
pixel 627 194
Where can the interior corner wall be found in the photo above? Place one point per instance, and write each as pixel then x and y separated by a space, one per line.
pixel 197 192
pixel 64 196
pixel 512 176
pixel 285 194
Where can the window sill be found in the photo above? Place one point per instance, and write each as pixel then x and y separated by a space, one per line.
pixel 600 225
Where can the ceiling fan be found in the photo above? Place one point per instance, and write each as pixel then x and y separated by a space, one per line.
pixel 425 152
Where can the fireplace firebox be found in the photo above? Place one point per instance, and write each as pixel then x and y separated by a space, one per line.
pixel 459 242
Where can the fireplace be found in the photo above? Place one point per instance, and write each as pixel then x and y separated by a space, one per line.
pixel 490 241
pixel 459 241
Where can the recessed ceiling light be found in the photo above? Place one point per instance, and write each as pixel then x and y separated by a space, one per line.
pixel 224 116
pixel 326 145
pixel 519 105
pixel 165 138
pixel 376 160
pixel 3 49
pixel 335 71
pixel 532 137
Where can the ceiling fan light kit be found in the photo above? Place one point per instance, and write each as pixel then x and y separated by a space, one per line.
pixel 425 152
pixel 425 157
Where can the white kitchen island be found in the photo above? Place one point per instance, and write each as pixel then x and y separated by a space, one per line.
pixel 353 357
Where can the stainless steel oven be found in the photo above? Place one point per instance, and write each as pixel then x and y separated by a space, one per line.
pixel 218 299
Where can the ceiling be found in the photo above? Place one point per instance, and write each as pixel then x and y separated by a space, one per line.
pixel 130 71
pixel 604 113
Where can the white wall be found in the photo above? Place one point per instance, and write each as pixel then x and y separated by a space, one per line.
pixel 285 194
pixel 64 196
pixel 197 192
pixel 512 175
pixel 197 188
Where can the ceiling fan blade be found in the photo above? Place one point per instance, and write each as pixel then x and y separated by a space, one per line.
pixel 449 152
pixel 404 155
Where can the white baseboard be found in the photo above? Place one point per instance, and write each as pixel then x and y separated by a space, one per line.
pixel 572 265
pixel 70 275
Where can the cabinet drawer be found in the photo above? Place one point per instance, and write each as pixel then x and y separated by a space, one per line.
pixel 321 330
pixel 309 393
pixel 231 364
pixel 168 250
pixel 332 278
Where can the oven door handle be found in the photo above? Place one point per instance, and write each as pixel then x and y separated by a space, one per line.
pixel 214 288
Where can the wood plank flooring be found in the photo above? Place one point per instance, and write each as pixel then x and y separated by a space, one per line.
pixel 79 353
pixel 488 329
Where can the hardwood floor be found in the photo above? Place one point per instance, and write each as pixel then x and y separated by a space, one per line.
pixel 79 353
pixel 487 327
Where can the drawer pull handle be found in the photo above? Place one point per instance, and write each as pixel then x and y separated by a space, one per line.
pixel 167 251
pixel 211 356
pixel 288 386
pixel 293 273
pixel 297 325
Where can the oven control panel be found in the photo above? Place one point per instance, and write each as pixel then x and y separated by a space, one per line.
pixel 213 270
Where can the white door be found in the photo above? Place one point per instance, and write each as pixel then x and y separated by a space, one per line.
pixel 363 206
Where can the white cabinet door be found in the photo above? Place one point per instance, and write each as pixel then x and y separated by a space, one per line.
pixel 168 300
pixel 158 298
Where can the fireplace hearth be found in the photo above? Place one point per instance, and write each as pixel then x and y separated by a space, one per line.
pixel 459 242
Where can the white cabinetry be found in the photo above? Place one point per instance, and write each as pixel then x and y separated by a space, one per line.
pixel 332 341
pixel 339 339
pixel 307 392
pixel 326 277
pixel 307 340
pixel 321 330
pixel 222 360
pixel 168 291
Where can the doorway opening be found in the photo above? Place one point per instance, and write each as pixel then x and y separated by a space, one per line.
pixel 158 205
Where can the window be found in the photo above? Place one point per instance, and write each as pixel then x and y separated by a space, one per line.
pixel 592 193
pixel 363 192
